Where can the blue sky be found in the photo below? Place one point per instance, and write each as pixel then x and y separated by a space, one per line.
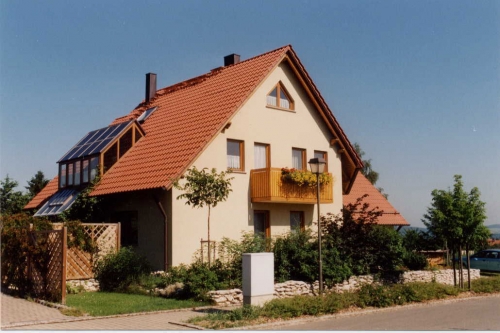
pixel 415 83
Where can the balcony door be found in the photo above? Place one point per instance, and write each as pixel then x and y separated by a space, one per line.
pixel 261 156
pixel 261 225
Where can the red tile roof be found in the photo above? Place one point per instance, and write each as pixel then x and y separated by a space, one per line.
pixel 189 115
pixel 363 186
pixel 44 194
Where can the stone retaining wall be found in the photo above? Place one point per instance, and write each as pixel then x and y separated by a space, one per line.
pixel 444 276
pixel 87 285
pixel 295 288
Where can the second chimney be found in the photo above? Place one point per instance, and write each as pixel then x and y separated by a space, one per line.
pixel 150 86
pixel 231 59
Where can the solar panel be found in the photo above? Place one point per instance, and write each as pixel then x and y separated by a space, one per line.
pixel 94 142
pixel 58 203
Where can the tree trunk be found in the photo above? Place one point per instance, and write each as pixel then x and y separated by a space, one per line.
pixel 208 235
pixel 454 267
pixel 468 265
pixel 461 267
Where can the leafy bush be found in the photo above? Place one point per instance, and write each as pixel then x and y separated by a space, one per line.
pixel 117 271
pixel 17 245
pixel 200 279
pixel 294 248
pixel 414 261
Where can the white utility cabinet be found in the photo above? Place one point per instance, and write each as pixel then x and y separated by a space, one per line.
pixel 258 278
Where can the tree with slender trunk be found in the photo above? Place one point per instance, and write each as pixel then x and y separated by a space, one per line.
pixel 202 188
pixel 457 218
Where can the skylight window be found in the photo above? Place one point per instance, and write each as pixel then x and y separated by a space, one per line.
pixel 146 114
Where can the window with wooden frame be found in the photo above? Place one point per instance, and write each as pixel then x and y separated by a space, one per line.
pixel 235 155
pixel 62 175
pixel 323 155
pixel 280 98
pixel 297 221
pixel 299 160
pixel 261 156
pixel 261 224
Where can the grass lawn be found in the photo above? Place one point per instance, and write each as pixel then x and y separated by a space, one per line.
pixel 105 304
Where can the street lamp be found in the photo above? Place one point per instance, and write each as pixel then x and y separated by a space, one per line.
pixel 317 165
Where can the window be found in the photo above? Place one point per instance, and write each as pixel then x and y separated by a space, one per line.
pixel 70 174
pixel 94 162
pixel 279 97
pixel 145 115
pixel 297 221
pixel 299 159
pixel 235 153
pixel 323 155
pixel 85 171
pixel 126 142
pixel 77 172
pixel 261 225
pixel 62 176
pixel 110 157
pixel 261 156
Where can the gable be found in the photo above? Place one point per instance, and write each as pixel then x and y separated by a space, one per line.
pixel 189 116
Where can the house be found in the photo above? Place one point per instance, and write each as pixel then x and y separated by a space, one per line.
pixel 390 216
pixel 254 117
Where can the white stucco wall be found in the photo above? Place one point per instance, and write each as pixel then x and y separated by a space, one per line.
pixel 257 123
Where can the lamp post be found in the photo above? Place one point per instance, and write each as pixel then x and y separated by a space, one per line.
pixel 318 167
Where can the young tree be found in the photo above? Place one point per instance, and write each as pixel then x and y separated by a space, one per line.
pixel 368 171
pixel 11 201
pixel 204 188
pixel 36 184
pixel 456 218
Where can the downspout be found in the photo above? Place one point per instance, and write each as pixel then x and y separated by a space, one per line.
pixel 165 232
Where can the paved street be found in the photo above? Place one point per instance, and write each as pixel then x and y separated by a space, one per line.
pixel 478 313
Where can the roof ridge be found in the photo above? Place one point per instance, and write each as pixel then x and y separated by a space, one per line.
pixel 201 78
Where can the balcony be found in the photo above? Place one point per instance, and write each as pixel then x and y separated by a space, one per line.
pixel 266 186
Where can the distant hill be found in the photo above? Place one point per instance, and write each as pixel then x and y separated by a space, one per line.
pixel 494 228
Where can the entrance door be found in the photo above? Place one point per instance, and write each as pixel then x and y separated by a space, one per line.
pixel 261 225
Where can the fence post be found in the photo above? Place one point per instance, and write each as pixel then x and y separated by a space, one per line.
pixel 118 236
pixel 64 265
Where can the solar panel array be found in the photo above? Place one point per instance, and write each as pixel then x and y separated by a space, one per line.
pixel 94 142
pixel 58 203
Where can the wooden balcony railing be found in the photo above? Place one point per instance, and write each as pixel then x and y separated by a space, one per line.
pixel 266 186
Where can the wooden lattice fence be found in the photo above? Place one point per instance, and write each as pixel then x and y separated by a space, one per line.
pixel 47 264
pixel 107 238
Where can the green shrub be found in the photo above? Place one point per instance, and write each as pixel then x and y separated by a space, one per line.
pixel 294 248
pixel 486 284
pixel 17 244
pixel 117 271
pixel 414 261
pixel 200 279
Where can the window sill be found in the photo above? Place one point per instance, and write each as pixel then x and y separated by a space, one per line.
pixel 280 109
pixel 237 171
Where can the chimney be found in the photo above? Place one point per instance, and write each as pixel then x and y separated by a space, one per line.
pixel 150 86
pixel 231 59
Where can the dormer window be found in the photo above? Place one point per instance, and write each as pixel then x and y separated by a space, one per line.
pixel 101 148
pixel 280 98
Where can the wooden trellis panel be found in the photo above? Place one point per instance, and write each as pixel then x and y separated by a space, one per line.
pixel 107 238
pixel 47 271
